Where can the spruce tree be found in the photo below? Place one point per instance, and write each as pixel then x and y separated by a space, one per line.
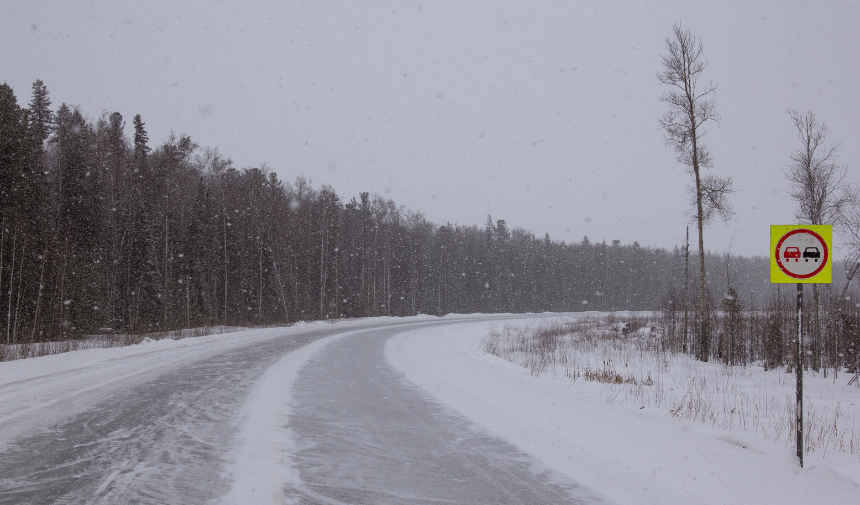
pixel 40 121
pixel 41 117
pixel 12 151
pixel 141 149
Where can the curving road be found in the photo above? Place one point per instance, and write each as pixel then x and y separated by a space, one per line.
pixel 362 434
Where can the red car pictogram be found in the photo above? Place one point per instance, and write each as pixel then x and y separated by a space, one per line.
pixel 792 252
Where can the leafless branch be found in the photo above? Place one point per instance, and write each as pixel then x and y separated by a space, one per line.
pixel 689 106
pixel 715 192
pixel 818 183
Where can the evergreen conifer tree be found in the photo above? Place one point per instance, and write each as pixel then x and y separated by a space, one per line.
pixel 12 150
pixel 41 117
pixel 141 149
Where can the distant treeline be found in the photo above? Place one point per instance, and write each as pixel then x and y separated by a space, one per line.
pixel 103 231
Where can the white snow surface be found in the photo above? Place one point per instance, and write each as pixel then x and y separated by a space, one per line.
pixel 621 452
pixel 618 451
pixel 39 391
pixel 263 461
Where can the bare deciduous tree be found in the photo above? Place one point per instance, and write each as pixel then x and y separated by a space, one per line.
pixel 690 107
pixel 850 234
pixel 850 227
pixel 819 187
pixel 818 183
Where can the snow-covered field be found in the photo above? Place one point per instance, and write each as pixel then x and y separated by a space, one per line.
pixel 623 352
pixel 626 451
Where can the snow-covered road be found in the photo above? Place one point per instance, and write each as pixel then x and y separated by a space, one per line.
pixel 144 427
pixel 364 435
pixel 216 420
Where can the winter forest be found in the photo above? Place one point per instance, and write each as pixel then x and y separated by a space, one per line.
pixel 104 233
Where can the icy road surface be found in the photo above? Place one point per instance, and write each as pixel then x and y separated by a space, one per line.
pixel 364 435
pixel 218 422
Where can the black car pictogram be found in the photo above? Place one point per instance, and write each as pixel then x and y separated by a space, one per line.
pixel 811 252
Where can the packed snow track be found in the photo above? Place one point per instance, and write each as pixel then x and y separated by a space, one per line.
pixel 296 415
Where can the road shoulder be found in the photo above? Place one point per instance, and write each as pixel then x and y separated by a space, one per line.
pixel 620 452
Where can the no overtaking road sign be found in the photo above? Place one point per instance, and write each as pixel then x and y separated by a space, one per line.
pixel 801 254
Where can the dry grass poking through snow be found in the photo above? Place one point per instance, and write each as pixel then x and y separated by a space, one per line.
pixel 623 354
pixel 10 352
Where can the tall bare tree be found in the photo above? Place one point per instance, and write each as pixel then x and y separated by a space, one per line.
pixel 818 185
pixel 691 105
pixel 851 237
pixel 818 182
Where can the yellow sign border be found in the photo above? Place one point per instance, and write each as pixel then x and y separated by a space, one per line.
pixel 777 276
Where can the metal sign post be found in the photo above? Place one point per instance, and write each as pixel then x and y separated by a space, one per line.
pixel 798 365
pixel 800 254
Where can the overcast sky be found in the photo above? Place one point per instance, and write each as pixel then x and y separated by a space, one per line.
pixel 540 113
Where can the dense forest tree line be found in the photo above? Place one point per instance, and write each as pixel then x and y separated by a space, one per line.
pixel 104 231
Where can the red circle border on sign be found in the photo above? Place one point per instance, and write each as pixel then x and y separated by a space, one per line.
pixel 807 276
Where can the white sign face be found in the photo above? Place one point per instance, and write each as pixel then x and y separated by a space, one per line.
pixel 801 254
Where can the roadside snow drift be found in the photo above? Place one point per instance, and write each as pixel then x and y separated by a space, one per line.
pixel 622 452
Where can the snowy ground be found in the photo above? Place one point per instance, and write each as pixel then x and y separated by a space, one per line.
pixel 11 352
pixel 262 462
pixel 198 420
pixel 611 449
pixel 622 452
pixel 38 391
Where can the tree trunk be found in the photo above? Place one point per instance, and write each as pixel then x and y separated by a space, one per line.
pixel 280 285
pixel 39 295
pixel 166 285
pixel 686 289
pixel 850 275
pixel 818 344
pixel 11 282
pixel 187 301
pixel 225 267
pixel 2 244
pixel 336 280
pixel 704 337
pixel 323 272
pixel 260 290
pixel 18 296
pixel 61 290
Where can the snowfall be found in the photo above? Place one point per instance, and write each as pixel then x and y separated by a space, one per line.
pixel 620 451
